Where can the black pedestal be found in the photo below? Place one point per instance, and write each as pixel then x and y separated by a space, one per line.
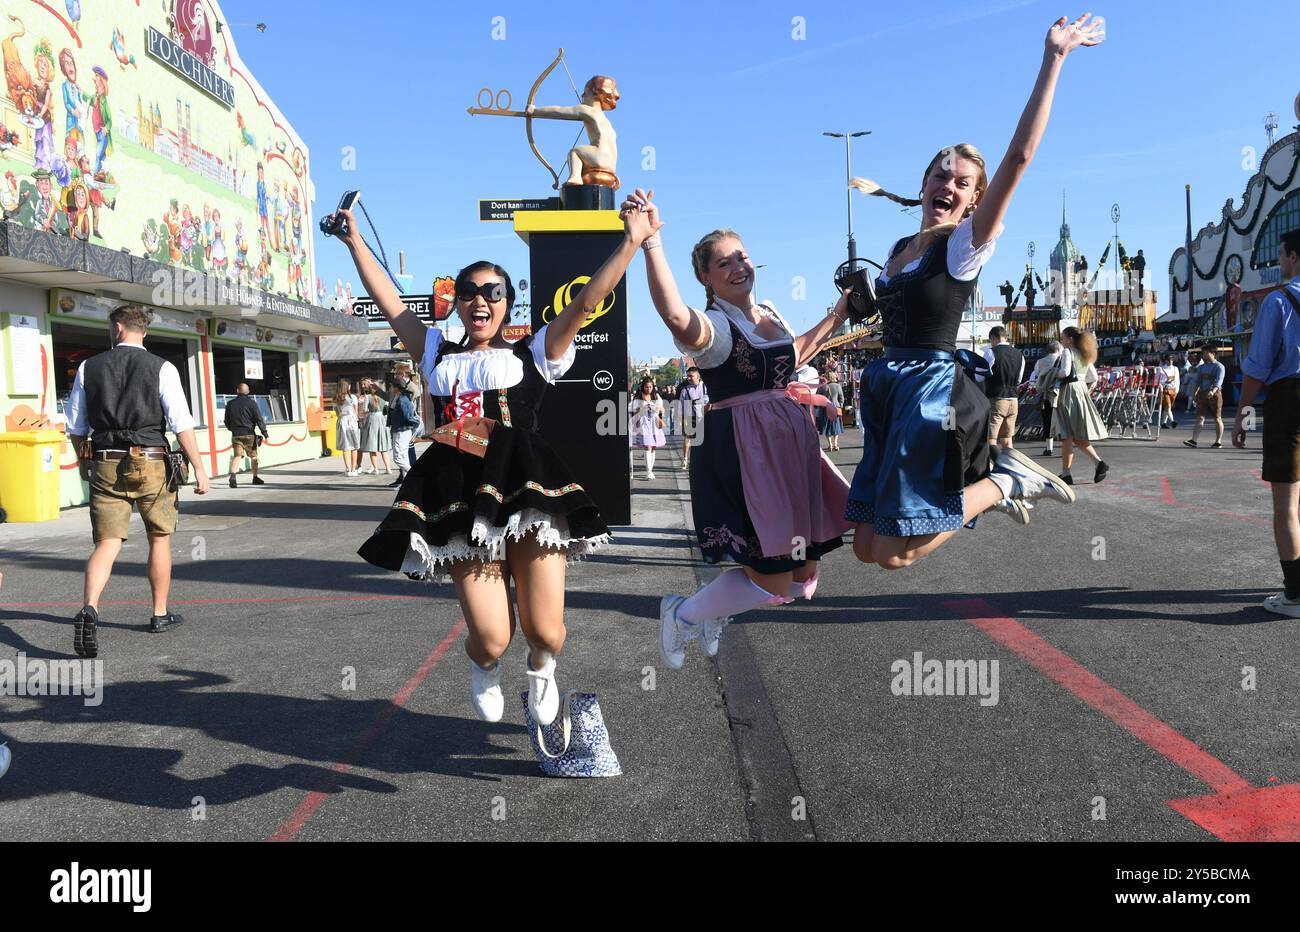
pixel 586 197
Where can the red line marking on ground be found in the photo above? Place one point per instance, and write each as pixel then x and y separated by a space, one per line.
pixel 1250 519
pixel 1104 698
pixel 1169 493
pixel 235 601
pixel 291 826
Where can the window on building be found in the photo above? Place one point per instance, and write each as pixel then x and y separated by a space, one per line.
pixel 274 391
pixel 1284 217
pixel 74 345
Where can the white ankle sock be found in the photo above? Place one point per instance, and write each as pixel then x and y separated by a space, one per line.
pixel 730 594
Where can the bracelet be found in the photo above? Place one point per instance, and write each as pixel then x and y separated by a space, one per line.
pixel 837 316
pixel 651 242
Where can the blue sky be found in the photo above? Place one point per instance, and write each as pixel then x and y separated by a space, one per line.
pixel 734 107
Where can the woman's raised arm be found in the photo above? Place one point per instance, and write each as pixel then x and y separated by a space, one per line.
pixel 689 328
pixel 1061 40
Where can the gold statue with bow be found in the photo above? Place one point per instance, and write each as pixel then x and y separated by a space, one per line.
pixel 591 164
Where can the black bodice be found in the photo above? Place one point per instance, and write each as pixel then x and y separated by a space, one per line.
pixel 516 406
pixel 749 368
pixel 923 308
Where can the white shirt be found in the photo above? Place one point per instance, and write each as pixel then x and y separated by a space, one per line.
pixel 713 353
pixel 175 408
pixel 486 370
pixel 1171 377
pixel 964 260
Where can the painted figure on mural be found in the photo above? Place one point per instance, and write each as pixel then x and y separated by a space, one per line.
pixel 45 211
pixel 172 221
pixel 281 218
pixel 240 261
pixel 11 198
pixel 95 185
pixel 188 233
pixel 65 166
pixel 101 118
pixel 43 91
pixel 73 98
pixel 217 249
pixel 295 216
pixel 124 57
pixel 262 216
pixel 78 210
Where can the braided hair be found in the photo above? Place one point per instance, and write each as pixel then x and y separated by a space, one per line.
pixel 702 255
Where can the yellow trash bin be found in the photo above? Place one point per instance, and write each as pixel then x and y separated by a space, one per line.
pixel 29 474
pixel 328 424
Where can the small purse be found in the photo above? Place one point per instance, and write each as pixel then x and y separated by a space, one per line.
pixel 580 735
pixel 467 434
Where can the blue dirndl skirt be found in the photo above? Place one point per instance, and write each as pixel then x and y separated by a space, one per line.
pixel 925 438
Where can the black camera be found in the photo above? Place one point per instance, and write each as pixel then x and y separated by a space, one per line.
pixel 334 225
pixel 856 276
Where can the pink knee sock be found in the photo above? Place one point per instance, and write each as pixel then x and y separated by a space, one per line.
pixel 730 594
pixel 805 589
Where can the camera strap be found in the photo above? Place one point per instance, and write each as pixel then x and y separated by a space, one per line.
pixel 383 257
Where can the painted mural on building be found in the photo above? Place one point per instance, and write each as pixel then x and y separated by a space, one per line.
pixel 134 125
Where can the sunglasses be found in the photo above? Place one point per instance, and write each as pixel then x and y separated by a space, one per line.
pixel 491 291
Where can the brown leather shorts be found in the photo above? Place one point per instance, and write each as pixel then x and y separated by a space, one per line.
pixel 244 445
pixel 113 493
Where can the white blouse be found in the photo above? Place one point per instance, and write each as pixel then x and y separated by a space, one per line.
pixel 486 370
pixel 964 260
pixel 718 348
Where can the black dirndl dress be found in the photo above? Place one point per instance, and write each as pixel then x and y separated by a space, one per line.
pixel 759 479
pixel 458 505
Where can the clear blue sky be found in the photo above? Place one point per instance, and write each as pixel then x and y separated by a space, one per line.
pixel 734 108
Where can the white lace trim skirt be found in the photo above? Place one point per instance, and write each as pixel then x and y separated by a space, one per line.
pixel 487 544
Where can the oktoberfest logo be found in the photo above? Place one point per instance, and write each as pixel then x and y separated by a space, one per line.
pixel 565 293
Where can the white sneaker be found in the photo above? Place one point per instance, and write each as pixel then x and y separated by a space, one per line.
pixel 368 471
pixel 649 475
pixel 674 634
pixel 711 635
pixel 1280 605
pixel 485 691
pixel 1028 480
pixel 543 694
pixel 1014 508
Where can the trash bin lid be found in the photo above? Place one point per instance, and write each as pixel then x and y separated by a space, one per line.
pixel 33 437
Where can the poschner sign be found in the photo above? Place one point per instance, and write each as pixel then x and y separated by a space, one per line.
pixel 188 66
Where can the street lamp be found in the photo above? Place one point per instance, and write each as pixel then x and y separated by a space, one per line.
pixel 848 176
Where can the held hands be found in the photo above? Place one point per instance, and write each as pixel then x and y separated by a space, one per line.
pixel 1064 37
pixel 640 216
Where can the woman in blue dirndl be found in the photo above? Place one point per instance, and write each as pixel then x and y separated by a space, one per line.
pixel 927 468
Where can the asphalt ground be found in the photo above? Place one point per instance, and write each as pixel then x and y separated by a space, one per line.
pixel 1122 628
